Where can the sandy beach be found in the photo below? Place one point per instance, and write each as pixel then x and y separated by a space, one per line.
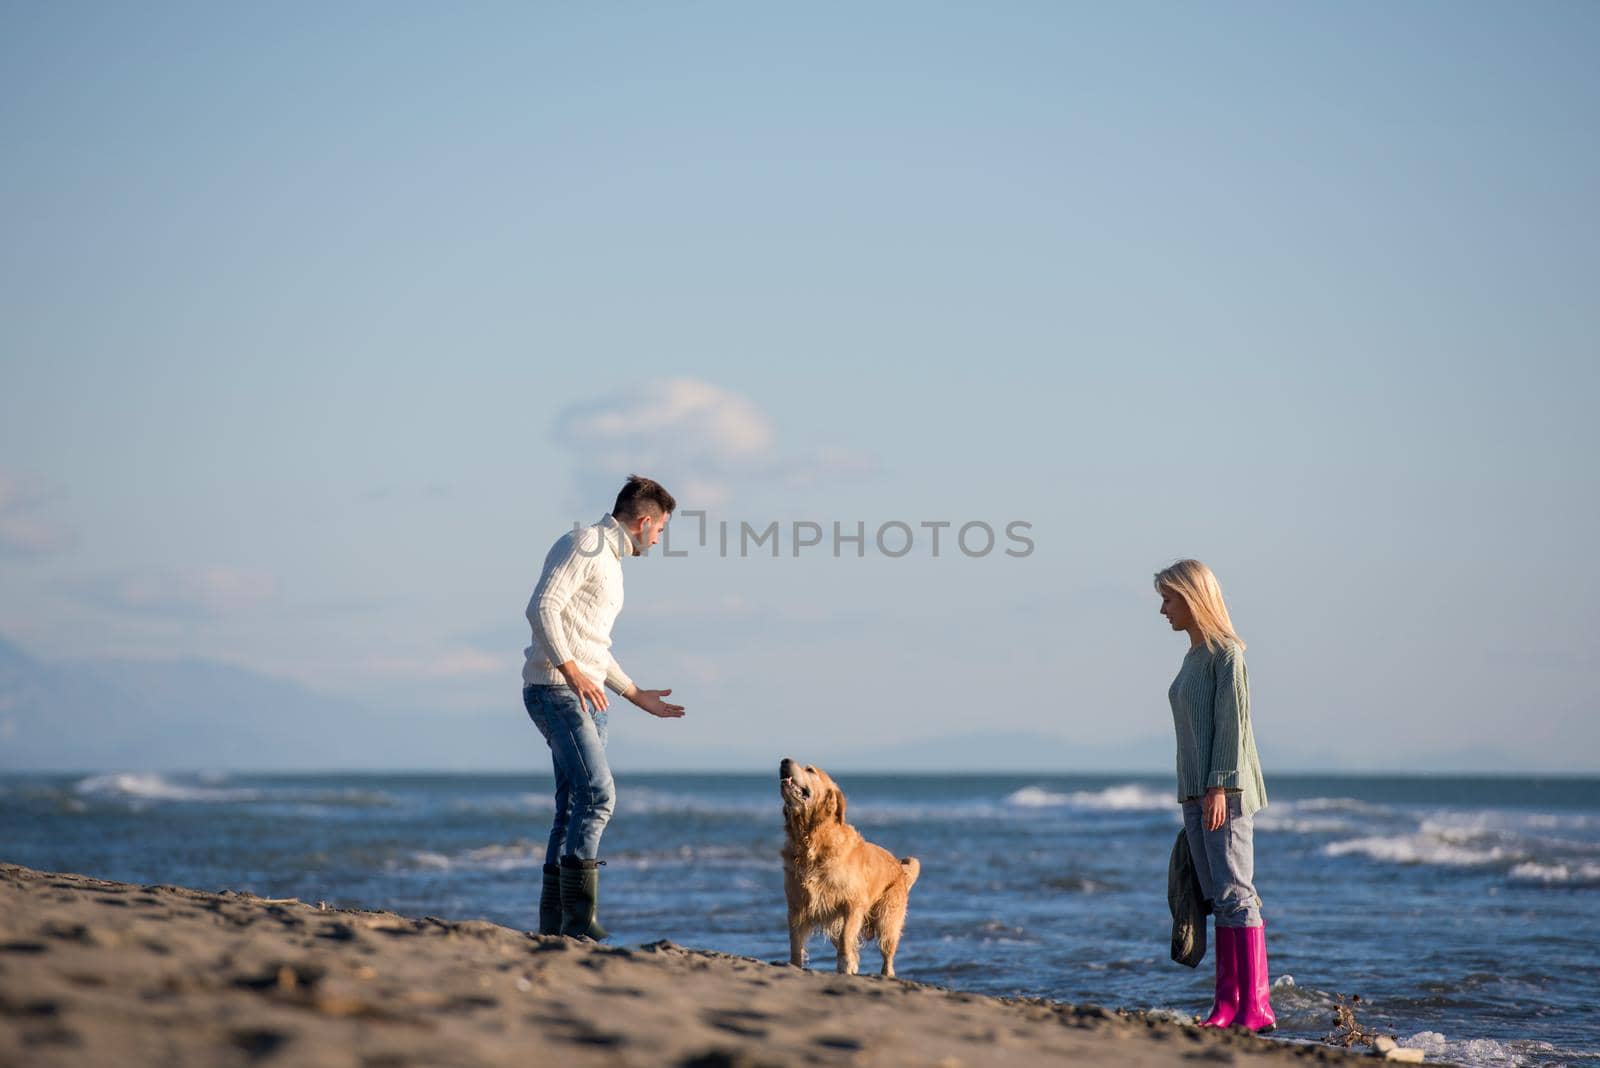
pixel 100 972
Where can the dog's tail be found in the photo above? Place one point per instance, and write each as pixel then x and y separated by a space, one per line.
pixel 912 867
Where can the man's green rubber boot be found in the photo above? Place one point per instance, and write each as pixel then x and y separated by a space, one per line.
pixel 550 901
pixel 580 893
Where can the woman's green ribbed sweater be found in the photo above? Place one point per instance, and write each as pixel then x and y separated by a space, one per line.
pixel 1211 713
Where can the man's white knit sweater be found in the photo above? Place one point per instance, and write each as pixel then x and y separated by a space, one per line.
pixel 574 605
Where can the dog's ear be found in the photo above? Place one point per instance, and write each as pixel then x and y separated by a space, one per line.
pixel 838 802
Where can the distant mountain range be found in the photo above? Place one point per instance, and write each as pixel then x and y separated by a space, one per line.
pixel 174 714
pixel 202 715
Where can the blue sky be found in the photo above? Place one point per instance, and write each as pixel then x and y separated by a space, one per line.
pixel 319 325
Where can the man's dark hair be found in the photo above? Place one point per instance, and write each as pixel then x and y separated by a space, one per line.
pixel 640 496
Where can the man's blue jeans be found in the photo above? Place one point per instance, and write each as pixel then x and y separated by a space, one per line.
pixel 585 792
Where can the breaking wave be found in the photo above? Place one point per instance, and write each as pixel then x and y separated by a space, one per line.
pixel 137 787
pixel 1584 873
pixel 1486 1052
pixel 1421 848
pixel 1484 840
pixel 1127 797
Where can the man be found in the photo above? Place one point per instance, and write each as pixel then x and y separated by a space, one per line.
pixel 577 599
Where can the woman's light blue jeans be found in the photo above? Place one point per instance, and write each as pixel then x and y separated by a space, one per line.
pixel 1225 863
pixel 585 791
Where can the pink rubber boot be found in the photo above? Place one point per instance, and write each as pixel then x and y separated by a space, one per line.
pixel 1255 1003
pixel 1226 1005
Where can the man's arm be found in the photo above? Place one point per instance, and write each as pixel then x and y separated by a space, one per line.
pixel 618 679
pixel 561 579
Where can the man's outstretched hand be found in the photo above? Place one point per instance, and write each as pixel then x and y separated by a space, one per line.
pixel 651 701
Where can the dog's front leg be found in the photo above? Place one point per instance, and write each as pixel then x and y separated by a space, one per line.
pixel 797 943
pixel 850 943
pixel 798 929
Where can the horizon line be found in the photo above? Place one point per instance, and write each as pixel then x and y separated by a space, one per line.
pixel 845 768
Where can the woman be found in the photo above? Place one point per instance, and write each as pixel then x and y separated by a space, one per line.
pixel 1220 787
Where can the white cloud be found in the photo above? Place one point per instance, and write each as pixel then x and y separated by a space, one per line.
pixel 24 529
pixel 714 420
pixel 701 441
pixel 695 438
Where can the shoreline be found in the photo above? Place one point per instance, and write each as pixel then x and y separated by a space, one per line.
pixel 96 971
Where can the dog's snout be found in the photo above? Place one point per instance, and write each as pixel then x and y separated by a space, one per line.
pixel 785 766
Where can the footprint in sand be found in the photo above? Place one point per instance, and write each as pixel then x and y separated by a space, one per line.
pixel 746 1023
pixel 36 1008
pixel 259 1042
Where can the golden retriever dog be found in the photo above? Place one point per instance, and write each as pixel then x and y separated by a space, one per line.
pixel 837 881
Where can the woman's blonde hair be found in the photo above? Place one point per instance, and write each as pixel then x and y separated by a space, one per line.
pixel 1194 582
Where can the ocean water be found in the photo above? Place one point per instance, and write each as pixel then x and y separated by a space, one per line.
pixel 1464 912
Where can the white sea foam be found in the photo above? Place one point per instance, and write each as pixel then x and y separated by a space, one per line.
pixel 511 856
pixel 1419 848
pixel 1128 797
pixel 1485 1052
pixel 716 856
pixel 865 811
pixel 142 787
pixel 1301 1008
pixel 1320 815
pixel 526 853
pixel 152 787
pixel 1577 873
pixel 1573 821
pixel 517 805
pixel 645 800
pixel 1269 820
pixel 1516 842
pixel 1523 831
pixel 426 860
pixel 1035 797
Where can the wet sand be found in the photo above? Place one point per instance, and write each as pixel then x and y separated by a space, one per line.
pixel 98 972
